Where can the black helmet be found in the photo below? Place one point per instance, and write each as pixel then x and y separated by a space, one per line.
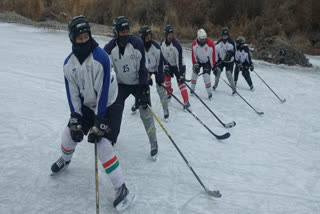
pixel 240 40
pixel 168 29
pixel 144 31
pixel 225 31
pixel 78 25
pixel 120 23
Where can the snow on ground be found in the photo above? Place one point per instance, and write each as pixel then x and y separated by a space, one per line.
pixel 270 164
pixel 314 60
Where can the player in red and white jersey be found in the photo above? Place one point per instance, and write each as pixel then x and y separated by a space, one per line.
pixel 203 56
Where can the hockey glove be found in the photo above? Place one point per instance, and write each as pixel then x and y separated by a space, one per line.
pixel 240 66
pixel 251 67
pixel 215 70
pixel 228 56
pixel 150 82
pixel 196 68
pixel 166 70
pixel 75 126
pixel 143 99
pixel 98 130
pixel 181 79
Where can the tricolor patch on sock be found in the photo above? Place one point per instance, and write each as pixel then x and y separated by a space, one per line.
pixel 66 151
pixel 208 85
pixel 111 165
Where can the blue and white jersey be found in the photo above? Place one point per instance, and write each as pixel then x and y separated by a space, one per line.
pixel 172 54
pixel 222 47
pixel 130 67
pixel 154 61
pixel 91 84
pixel 243 56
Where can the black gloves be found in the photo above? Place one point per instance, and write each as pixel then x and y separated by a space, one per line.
pixel 240 66
pixel 166 70
pixel 150 82
pixel 181 79
pixel 215 70
pixel 75 126
pixel 98 130
pixel 228 56
pixel 251 67
pixel 143 97
pixel 196 68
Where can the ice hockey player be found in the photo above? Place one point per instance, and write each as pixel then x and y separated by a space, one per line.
pixel 225 53
pixel 174 64
pixel 243 62
pixel 203 56
pixel 127 54
pixel 91 91
pixel 154 64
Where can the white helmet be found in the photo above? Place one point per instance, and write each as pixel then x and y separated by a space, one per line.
pixel 201 34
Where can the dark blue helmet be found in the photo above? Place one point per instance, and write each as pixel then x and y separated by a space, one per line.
pixel 78 25
pixel 120 23
pixel 144 31
pixel 225 31
pixel 168 29
pixel 240 41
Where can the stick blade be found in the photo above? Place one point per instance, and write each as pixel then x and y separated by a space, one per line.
pixel 223 137
pixel 230 125
pixel 283 100
pixel 260 112
pixel 215 193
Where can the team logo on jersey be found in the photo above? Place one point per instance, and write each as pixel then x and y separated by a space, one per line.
pixel 132 56
pixel 205 49
pixel 74 70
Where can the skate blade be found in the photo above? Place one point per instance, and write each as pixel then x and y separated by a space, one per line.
pixel 123 205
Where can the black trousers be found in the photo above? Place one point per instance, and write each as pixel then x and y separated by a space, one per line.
pixel 245 74
pixel 206 67
pixel 123 93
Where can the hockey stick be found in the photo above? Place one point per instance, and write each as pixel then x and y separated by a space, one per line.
pixel 281 100
pixel 219 137
pixel 186 80
pixel 229 125
pixel 97 182
pixel 258 112
pixel 215 193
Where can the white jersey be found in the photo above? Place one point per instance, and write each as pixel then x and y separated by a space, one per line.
pixel 153 59
pixel 130 67
pixel 203 54
pixel 91 84
pixel 172 54
pixel 243 56
pixel 222 47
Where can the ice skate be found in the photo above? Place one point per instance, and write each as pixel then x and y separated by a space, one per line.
pixel 154 151
pixel 186 106
pixel 124 198
pixel 59 166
